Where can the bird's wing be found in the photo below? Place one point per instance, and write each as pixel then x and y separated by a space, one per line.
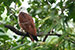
pixel 29 19
pixel 27 24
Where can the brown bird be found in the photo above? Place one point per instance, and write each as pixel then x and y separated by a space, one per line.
pixel 27 24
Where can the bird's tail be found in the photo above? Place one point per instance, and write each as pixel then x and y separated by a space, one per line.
pixel 35 37
pixel 32 37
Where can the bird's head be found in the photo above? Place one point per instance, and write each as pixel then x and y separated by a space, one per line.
pixel 23 9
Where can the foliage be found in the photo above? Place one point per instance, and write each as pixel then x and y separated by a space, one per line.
pixel 49 15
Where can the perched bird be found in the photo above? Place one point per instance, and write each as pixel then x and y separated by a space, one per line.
pixel 27 24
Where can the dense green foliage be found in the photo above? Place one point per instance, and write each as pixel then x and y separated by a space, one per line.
pixel 49 15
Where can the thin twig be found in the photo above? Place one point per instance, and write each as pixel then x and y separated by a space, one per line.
pixel 46 37
pixel 22 40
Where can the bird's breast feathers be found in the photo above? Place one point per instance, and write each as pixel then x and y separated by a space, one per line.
pixel 26 23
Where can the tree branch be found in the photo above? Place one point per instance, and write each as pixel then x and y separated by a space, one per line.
pixel 25 34
pixel 46 37
pixel 50 35
pixel 16 31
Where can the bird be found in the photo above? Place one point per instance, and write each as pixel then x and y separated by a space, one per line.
pixel 26 23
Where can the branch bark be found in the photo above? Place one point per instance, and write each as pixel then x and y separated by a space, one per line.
pixel 16 31
pixel 26 35
pixel 46 37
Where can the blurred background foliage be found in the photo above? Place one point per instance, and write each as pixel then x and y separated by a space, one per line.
pixel 56 15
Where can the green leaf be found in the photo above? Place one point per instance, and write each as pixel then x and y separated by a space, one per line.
pixel 1 31
pixel 15 48
pixel 4 36
pixel 28 9
pixel 1 10
pixel 1 18
pixel 19 3
pixel 22 0
pixel 52 1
